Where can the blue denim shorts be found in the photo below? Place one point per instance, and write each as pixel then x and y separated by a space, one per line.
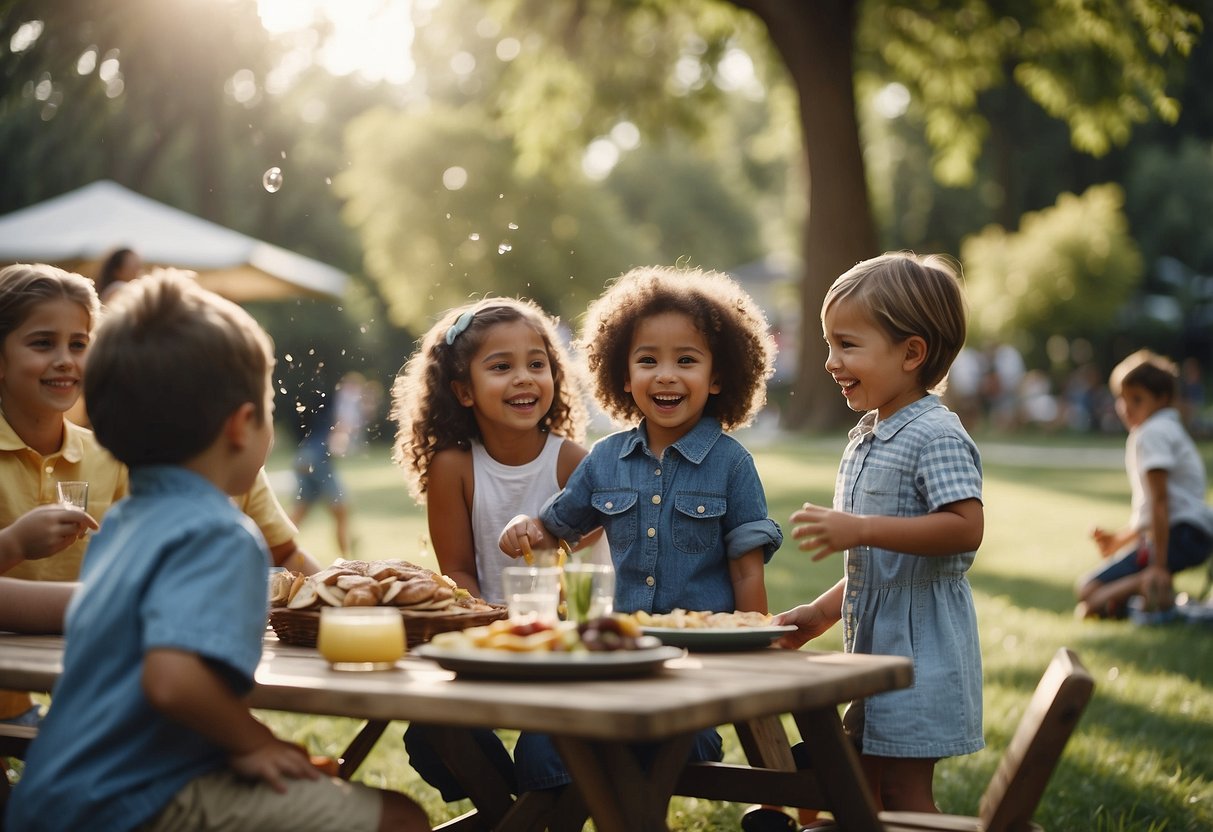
pixel 1188 546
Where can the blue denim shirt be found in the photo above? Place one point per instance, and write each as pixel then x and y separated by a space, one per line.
pixel 673 523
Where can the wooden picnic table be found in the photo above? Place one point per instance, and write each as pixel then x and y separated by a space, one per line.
pixel 593 724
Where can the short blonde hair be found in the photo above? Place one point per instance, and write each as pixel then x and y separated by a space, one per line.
pixel 169 364
pixel 908 294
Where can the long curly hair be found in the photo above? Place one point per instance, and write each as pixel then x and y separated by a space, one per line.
pixel 743 351
pixel 429 418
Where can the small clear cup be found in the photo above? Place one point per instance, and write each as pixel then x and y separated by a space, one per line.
pixel 532 593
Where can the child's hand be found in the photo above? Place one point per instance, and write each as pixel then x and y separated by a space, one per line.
pixel 46 530
pixel 274 762
pixel 520 535
pixel 808 621
pixel 1104 540
pixel 825 531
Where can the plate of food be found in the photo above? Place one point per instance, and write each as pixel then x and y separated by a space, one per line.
pixel 715 631
pixel 605 648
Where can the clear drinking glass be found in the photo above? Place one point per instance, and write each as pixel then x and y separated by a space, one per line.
pixel 589 590
pixel 532 593
pixel 361 638
pixel 73 493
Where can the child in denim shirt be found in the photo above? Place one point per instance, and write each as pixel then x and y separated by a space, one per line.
pixel 908 516
pixel 683 356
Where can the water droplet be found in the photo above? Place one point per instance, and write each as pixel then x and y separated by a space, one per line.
pixel 328 180
pixel 504 246
pixel 512 226
pixel 473 236
pixel 271 180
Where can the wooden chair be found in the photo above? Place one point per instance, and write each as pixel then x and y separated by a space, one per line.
pixel 1017 786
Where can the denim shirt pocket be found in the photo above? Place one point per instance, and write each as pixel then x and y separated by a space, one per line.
pixel 619 518
pixel 879 492
pixel 697 521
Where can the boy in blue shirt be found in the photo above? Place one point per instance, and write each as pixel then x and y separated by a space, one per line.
pixel 149 728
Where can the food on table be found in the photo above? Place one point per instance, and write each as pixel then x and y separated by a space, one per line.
pixel 352 583
pixel 606 634
pixel 702 620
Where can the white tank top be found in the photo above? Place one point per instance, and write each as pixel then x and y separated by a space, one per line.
pixel 498 493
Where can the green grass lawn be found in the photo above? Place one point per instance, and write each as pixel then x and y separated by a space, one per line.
pixel 1142 757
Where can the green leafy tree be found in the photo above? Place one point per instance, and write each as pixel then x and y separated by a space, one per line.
pixel 1067 271
pixel 1100 67
pixel 444 216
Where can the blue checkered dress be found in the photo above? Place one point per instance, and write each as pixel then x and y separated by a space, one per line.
pixel 898 603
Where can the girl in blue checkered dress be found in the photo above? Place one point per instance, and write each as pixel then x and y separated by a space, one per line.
pixel 907 517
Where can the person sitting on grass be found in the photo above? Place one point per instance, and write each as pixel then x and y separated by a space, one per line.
pixel 149 728
pixel 1170 527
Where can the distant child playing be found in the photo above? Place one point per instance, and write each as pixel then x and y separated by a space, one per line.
pixel 1171 525
pixel 682 356
pixel 488 424
pixel 908 517
pixel 149 728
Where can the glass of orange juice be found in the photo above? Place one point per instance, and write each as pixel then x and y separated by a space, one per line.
pixel 361 638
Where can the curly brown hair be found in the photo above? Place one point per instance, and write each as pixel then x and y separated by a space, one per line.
pixel 743 351
pixel 429 418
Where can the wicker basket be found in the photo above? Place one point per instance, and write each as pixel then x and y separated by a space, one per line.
pixel 300 627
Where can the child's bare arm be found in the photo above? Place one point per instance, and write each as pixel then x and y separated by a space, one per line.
pixel 749 585
pixel 449 515
pixel 955 527
pixel 34 606
pixel 183 687
pixel 812 619
pixel 1156 578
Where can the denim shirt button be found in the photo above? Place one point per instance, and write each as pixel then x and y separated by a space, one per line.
pixel 652 532
pixel 610 505
pixel 701 509
pixel 657 472
pixel 650 580
pixel 656 499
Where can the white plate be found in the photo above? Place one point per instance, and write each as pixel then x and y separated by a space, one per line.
pixel 718 638
pixel 502 664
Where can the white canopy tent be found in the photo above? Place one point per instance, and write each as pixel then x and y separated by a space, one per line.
pixel 75 231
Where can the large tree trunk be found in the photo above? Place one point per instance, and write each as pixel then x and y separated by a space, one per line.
pixel 815 38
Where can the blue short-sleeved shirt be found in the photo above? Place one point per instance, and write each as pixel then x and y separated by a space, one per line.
pixel 176 565
pixel 897 603
pixel 673 523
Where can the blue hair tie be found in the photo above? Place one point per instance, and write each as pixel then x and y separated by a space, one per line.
pixel 457 328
